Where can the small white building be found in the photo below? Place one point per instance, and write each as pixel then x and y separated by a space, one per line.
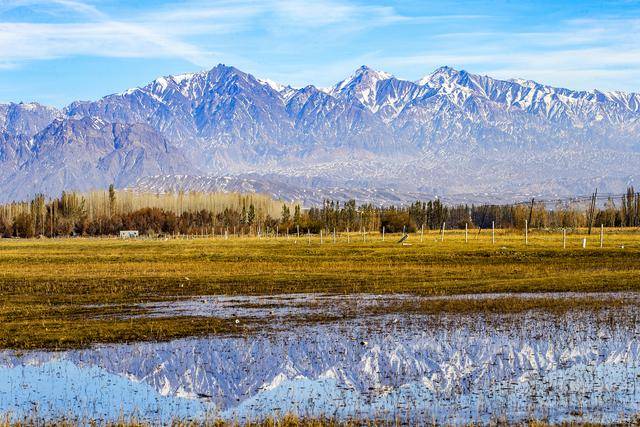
pixel 129 234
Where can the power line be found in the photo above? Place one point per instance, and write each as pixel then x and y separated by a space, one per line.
pixel 575 199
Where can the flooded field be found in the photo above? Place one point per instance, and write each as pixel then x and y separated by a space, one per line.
pixel 364 358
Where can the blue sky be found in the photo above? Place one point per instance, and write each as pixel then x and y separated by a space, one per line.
pixel 56 51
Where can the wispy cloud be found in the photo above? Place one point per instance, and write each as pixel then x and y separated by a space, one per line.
pixel 321 41
pixel 169 31
pixel 93 33
pixel 54 7
pixel 109 39
pixel 326 12
pixel 578 52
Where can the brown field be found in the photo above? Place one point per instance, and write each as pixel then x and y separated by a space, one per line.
pixel 59 293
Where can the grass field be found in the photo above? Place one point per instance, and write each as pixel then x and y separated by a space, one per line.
pixel 73 292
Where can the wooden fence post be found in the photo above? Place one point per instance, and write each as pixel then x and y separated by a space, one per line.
pixel 493 232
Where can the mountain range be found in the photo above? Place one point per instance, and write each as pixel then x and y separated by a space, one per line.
pixel 372 136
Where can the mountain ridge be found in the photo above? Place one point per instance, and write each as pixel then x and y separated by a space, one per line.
pixel 451 131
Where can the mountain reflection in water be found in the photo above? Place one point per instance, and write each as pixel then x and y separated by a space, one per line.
pixel 447 368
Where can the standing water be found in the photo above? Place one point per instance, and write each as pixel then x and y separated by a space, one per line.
pixel 447 368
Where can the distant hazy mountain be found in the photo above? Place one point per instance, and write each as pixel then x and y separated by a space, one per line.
pixel 25 119
pixel 372 136
pixel 85 154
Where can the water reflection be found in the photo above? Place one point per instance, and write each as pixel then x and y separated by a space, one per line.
pixel 453 369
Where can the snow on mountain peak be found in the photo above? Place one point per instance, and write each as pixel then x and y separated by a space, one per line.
pixel 526 83
pixel 162 82
pixel 273 85
pixel 362 84
pixel 379 75
pixel 438 77
pixel 363 76
pixel 230 123
pixel 179 78
pixel 29 106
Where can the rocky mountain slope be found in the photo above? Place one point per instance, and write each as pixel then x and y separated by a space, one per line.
pixel 85 154
pixel 452 134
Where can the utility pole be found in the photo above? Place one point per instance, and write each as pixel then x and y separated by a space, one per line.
pixel 531 210
pixel 592 210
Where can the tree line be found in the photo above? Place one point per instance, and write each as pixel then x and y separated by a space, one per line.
pixel 109 212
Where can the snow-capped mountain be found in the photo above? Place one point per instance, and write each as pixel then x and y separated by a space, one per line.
pixel 451 133
pixel 25 119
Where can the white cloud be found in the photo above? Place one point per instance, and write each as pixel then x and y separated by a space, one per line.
pixel 169 31
pixel 54 7
pixel 24 42
pixel 321 13
pixel 573 52
pixel 92 33
pixel 580 54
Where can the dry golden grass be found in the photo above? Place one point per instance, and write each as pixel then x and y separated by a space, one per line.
pixel 287 421
pixel 46 285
